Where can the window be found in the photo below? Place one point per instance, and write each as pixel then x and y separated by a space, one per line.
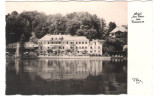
pixel 79 47
pixel 95 43
pixel 48 47
pixel 98 47
pixel 76 47
pixel 52 38
pixel 79 42
pixel 86 42
pixel 90 51
pixel 67 42
pixel 94 50
pixel 48 42
pixel 76 42
pixel 91 47
pixel 82 42
pixel 82 47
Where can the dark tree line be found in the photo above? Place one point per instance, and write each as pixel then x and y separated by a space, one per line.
pixel 35 25
pixel 76 23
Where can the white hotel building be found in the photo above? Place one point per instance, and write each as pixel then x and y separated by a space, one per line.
pixel 68 45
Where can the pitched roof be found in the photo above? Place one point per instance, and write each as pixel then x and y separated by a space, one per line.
pixel 119 28
pixel 65 37
pixel 97 40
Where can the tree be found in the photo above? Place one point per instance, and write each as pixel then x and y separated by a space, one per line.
pixel 113 45
pixel 15 25
pixel 80 32
pixel 80 23
pixel 111 26
pixel 34 20
pixel 14 13
pixel 91 34
pixel 11 30
pixel 72 26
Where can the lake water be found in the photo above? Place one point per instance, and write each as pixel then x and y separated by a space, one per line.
pixel 65 76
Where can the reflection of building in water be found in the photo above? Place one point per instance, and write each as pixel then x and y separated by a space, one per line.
pixel 17 66
pixel 74 73
pixel 66 69
pixel 70 69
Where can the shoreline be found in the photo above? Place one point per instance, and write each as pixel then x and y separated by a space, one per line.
pixel 70 57
pixel 75 57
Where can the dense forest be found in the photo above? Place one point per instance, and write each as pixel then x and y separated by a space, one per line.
pixel 34 25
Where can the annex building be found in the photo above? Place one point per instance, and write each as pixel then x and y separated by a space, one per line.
pixel 68 45
pixel 29 47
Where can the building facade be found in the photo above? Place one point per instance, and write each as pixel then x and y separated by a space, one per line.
pixel 29 47
pixel 68 45
pixel 118 32
pixel 64 69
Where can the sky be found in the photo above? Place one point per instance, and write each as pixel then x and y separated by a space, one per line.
pixel 110 11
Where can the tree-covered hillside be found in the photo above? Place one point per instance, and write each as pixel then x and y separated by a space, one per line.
pixel 76 23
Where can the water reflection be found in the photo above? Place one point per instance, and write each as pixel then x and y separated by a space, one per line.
pixel 62 76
